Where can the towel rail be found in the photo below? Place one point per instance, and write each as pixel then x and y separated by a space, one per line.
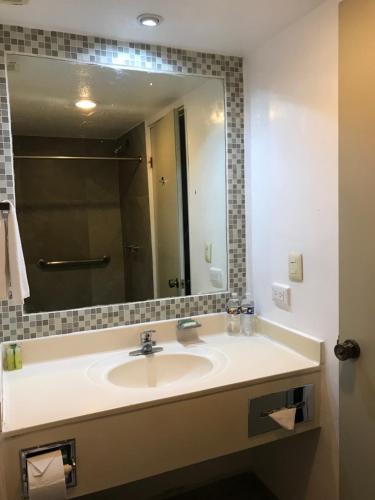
pixel 58 264
pixel 51 157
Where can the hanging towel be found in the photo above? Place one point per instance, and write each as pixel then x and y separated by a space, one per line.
pixel 16 284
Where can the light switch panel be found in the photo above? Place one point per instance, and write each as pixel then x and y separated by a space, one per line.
pixel 295 266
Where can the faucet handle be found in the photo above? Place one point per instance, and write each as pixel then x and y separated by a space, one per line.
pixel 146 336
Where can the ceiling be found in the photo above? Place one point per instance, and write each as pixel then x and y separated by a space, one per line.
pixel 229 27
pixel 43 93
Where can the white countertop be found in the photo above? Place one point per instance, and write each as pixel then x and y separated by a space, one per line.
pixel 54 385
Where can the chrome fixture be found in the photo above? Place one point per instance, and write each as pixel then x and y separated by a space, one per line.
pixel 109 158
pixel 147 345
pixel 187 323
pixel 149 20
pixel 106 259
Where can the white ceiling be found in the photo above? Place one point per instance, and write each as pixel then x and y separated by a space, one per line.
pixel 43 93
pixel 223 26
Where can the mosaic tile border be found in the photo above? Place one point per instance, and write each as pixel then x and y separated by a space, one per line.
pixel 16 325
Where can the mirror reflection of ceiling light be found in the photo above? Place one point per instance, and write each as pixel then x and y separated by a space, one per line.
pixel 86 104
pixel 149 20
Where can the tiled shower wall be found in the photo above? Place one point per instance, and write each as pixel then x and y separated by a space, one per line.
pixel 14 324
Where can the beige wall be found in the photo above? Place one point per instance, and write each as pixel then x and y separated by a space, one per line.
pixel 292 194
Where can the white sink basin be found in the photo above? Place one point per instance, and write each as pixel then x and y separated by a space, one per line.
pixel 171 366
pixel 156 370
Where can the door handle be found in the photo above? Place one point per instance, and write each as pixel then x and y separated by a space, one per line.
pixel 174 283
pixel 349 349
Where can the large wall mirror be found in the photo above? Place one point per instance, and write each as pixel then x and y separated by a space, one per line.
pixel 120 180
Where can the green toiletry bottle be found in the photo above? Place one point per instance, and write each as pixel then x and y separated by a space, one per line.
pixel 17 357
pixel 10 358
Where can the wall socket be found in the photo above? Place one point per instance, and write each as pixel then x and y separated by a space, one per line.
pixel 281 295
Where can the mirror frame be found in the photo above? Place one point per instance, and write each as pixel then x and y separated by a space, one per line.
pixel 17 325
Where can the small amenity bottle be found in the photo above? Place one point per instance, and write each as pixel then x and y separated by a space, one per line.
pixel 233 315
pixel 9 358
pixel 17 357
pixel 247 316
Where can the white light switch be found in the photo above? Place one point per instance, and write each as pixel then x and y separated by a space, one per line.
pixel 208 252
pixel 281 295
pixel 295 267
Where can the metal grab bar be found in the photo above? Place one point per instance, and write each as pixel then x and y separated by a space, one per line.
pixel 56 264
pixel 110 158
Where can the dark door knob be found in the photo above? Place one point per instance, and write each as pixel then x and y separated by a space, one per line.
pixel 174 283
pixel 347 350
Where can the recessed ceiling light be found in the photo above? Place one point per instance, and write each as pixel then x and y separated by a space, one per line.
pixel 149 20
pixel 86 104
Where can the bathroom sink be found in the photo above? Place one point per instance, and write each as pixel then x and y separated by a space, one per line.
pixel 157 370
pixel 160 370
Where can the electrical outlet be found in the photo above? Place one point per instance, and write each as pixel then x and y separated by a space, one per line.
pixel 281 295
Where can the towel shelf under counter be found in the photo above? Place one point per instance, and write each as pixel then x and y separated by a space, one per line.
pixel 60 264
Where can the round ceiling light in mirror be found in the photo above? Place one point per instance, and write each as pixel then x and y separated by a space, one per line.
pixel 86 104
pixel 149 20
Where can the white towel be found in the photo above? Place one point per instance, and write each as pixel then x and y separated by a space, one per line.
pixel 285 418
pixel 16 285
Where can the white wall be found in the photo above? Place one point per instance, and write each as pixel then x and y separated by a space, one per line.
pixel 206 155
pixel 205 144
pixel 292 185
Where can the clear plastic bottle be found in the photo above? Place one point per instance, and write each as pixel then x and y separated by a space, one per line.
pixel 247 315
pixel 233 315
pixel 10 358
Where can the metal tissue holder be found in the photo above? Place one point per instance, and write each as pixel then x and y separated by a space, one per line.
pixel 260 408
pixel 297 406
pixel 68 452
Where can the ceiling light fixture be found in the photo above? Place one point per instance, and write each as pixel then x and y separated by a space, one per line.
pixel 86 104
pixel 149 20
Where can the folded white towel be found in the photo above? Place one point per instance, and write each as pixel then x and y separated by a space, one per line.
pixel 16 287
pixel 285 418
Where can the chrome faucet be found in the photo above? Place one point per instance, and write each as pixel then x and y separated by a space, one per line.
pixel 147 344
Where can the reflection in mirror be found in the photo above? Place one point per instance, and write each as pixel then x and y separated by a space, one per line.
pixel 120 182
